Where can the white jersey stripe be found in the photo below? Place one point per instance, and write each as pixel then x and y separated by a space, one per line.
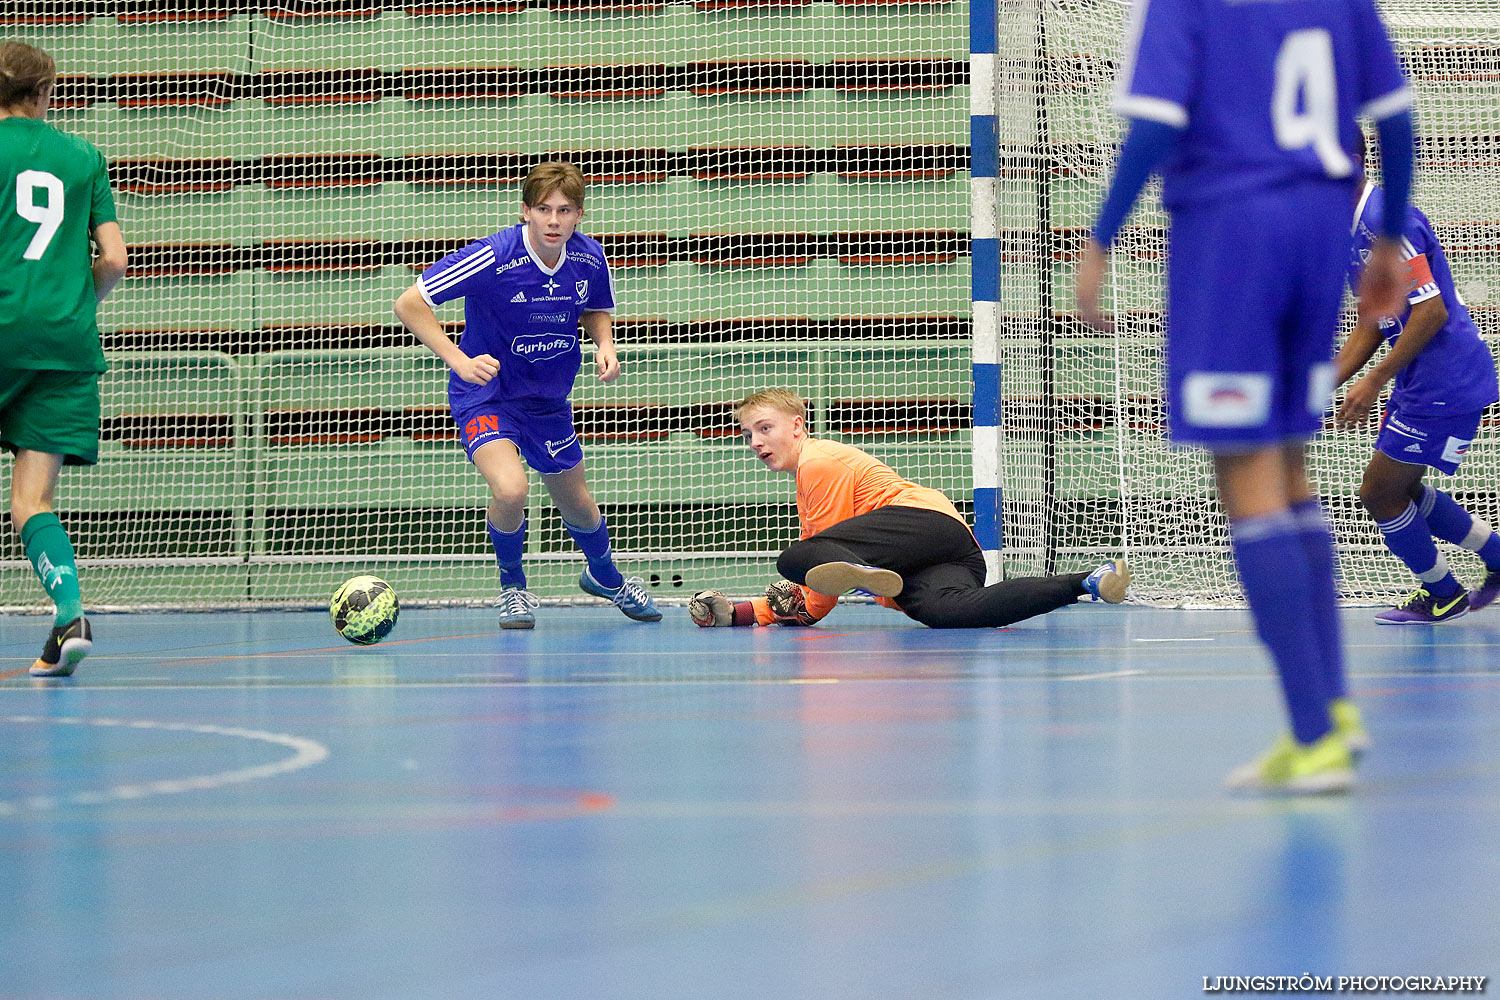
pixel 1129 48
pixel 458 272
pixel 485 255
pixel 1393 103
pixel 1152 109
pixel 463 269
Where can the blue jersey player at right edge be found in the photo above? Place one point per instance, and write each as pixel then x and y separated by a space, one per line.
pixel 1249 112
pixel 1444 380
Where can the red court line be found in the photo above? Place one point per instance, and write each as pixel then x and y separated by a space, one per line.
pixel 14 673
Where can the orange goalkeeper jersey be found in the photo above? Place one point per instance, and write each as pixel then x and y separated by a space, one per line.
pixel 836 482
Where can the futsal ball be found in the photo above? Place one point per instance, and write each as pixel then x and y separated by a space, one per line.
pixel 364 610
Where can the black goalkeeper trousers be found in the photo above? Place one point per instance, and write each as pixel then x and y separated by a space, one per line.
pixel 941 564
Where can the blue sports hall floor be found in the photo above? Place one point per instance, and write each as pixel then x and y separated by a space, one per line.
pixel 241 805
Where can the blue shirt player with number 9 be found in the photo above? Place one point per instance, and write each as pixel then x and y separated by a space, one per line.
pixel 1248 109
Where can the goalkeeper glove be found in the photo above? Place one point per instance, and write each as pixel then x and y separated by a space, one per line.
pixel 788 604
pixel 711 609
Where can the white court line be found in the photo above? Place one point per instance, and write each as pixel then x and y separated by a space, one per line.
pixel 1208 639
pixel 307 752
pixel 1104 676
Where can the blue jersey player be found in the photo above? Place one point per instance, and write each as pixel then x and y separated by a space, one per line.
pixel 1249 112
pixel 525 290
pixel 1444 379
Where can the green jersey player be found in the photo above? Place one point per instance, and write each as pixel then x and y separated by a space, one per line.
pixel 55 208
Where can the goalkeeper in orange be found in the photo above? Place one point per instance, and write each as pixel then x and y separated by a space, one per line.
pixel 865 528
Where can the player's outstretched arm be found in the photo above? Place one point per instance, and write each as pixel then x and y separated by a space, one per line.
pixel 1426 319
pixel 599 326
pixel 1091 272
pixel 1361 346
pixel 109 266
pixel 711 609
pixel 788 604
pixel 1146 145
pixel 417 316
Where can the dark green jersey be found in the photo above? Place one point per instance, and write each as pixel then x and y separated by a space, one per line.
pixel 54 189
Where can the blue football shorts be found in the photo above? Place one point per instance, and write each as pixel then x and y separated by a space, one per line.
pixel 1254 289
pixel 545 436
pixel 1440 442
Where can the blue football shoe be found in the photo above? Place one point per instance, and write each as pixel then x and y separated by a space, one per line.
pixel 517 608
pixel 1109 582
pixel 630 597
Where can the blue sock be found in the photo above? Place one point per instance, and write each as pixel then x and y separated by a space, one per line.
pixel 1317 546
pixel 1278 584
pixel 509 547
pixel 1452 523
pixel 595 546
pixel 1408 536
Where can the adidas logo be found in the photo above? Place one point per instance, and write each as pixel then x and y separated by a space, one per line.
pixel 1414 447
pixel 519 297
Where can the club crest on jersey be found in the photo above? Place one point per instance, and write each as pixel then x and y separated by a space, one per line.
pixel 582 290
pixel 537 346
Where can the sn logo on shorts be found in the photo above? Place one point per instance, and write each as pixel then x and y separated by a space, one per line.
pixel 487 424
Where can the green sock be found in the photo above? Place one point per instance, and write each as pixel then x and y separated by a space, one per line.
pixel 51 555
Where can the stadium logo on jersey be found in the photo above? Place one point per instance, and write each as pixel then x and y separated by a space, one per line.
pixel 555 447
pixel 1226 399
pixel 517 262
pixel 582 290
pixel 536 346
pixel 518 297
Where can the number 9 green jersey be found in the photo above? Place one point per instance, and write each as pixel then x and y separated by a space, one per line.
pixel 54 189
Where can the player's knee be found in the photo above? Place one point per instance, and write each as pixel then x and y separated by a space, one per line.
pixel 1383 500
pixel 931 610
pixel 509 497
pixel 792 564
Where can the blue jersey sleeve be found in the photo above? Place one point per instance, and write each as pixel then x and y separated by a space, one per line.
pixel 601 297
pixel 1383 90
pixel 1159 64
pixel 1419 248
pixel 461 273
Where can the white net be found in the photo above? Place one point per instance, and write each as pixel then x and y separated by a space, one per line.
pixel 1086 470
pixel 782 189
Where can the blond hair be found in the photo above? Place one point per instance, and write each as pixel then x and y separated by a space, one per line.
pixel 781 400
pixel 25 72
pixel 553 175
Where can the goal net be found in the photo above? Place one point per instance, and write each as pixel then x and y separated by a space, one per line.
pixel 1086 471
pixel 782 189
